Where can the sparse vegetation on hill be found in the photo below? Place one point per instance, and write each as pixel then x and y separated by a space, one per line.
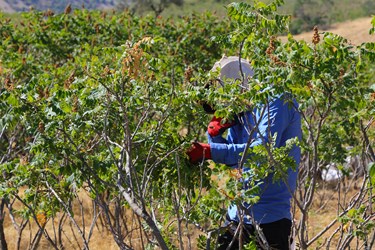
pixel 305 13
pixel 55 5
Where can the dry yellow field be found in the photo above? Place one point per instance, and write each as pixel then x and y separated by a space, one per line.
pixel 356 31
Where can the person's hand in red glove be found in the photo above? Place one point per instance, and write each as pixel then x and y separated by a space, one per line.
pixel 198 152
pixel 216 127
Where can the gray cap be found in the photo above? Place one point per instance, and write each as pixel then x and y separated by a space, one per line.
pixel 230 69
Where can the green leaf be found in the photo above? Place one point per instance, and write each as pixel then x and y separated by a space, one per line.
pixel 13 100
pixel 371 172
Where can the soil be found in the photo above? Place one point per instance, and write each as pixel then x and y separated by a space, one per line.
pixel 355 31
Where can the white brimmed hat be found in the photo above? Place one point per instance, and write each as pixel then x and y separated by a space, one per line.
pixel 230 69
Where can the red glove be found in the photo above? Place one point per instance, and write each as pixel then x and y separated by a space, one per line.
pixel 198 152
pixel 215 127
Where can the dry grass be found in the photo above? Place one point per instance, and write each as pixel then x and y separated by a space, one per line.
pixel 356 31
pixel 330 200
pixel 324 210
pixel 101 238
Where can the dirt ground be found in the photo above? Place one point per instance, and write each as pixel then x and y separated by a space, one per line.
pixel 356 31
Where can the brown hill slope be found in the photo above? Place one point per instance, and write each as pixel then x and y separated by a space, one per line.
pixel 5 7
pixel 356 31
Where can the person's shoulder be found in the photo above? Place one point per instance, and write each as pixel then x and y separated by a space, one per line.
pixel 285 101
pixel 285 98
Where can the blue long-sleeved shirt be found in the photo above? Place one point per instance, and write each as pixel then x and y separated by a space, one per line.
pixel 277 117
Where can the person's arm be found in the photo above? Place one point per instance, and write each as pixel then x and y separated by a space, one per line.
pixel 274 119
pixel 216 139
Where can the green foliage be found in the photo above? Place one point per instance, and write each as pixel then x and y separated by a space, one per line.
pixel 105 102
pixel 85 96
pixel 305 13
pixel 354 222
pixel 371 171
pixel 156 6
pixel 372 30
pixel 331 80
pixel 309 13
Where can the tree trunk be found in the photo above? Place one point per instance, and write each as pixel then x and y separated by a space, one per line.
pixel 3 242
pixel 145 216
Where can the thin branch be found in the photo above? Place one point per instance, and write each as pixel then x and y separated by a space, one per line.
pixel 67 210
pixel 41 229
pixel 145 216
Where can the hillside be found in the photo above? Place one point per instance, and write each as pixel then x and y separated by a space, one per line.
pixel 8 8
pixel 356 31
pixel 11 6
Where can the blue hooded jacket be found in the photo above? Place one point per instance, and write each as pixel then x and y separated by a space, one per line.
pixel 279 117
